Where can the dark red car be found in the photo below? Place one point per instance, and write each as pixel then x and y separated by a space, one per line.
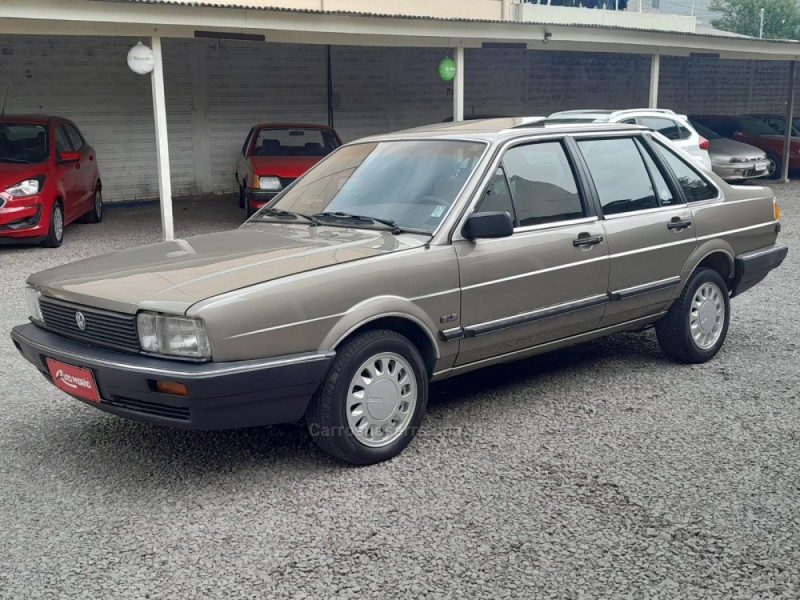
pixel 753 131
pixel 48 179
pixel 275 154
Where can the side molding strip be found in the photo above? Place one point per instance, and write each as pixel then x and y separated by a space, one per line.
pixel 646 288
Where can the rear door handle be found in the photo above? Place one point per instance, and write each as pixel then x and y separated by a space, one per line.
pixel 588 240
pixel 678 224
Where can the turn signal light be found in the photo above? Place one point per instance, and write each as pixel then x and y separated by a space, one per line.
pixel 256 182
pixel 776 210
pixel 171 387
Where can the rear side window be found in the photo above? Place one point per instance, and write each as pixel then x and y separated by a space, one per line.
pixel 670 129
pixel 619 174
pixel 542 184
pixel 695 188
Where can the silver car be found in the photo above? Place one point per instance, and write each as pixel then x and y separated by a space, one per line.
pixel 733 161
pixel 400 260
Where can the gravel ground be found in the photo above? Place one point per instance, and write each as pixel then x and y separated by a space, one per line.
pixel 604 471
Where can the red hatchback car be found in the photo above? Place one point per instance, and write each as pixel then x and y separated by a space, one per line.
pixel 275 154
pixel 48 178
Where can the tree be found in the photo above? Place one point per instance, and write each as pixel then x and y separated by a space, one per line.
pixel 781 17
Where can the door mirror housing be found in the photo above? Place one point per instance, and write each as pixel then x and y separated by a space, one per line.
pixel 69 157
pixel 738 134
pixel 493 224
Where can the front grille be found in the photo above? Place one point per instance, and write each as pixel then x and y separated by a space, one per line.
pixel 103 328
pixel 180 413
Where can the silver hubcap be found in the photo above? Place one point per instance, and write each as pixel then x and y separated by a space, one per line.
pixel 707 315
pixel 58 222
pixel 98 203
pixel 381 399
pixel 771 167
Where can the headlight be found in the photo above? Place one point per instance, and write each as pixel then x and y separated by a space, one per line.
pixel 29 187
pixel 270 184
pixel 739 159
pixel 176 336
pixel 32 299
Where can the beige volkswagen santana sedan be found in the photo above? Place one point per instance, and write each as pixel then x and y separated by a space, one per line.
pixel 400 260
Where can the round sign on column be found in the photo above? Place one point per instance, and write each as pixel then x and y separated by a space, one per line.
pixel 447 69
pixel 141 59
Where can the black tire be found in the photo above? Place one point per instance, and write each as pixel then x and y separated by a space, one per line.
pixel 775 166
pixel 674 330
pixel 95 215
pixel 326 417
pixel 55 235
pixel 242 197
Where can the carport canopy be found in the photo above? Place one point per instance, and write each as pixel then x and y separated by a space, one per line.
pixel 157 19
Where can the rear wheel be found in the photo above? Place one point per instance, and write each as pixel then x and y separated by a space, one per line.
pixel 95 215
pixel 372 400
pixel 55 233
pixel 696 325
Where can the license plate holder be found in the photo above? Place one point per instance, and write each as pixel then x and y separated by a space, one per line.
pixel 78 381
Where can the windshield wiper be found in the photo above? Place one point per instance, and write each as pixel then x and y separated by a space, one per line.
pixel 362 218
pixel 275 212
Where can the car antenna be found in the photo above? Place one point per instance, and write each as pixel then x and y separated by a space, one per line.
pixel 3 111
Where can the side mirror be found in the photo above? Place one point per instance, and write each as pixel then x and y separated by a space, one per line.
pixel 495 224
pixel 69 157
pixel 738 134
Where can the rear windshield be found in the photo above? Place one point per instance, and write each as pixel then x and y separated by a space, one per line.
pixel 23 143
pixel 294 142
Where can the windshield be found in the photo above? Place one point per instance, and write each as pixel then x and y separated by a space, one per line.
pixel 704 131
pixel 411 183
pixel 755 126
pixel 23 143
pixel 294 141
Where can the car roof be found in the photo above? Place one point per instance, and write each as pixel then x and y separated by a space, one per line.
pixel 489 130
pixel 292 126
pixel 611 114
pixel 29 119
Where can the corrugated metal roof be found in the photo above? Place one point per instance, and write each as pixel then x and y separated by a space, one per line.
pixel 243 5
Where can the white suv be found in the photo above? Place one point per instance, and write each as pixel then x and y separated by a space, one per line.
pixel 674 127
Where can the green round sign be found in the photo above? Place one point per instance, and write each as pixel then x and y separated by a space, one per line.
pixel 447 69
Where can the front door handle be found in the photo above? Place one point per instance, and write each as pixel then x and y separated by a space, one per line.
pixel 677 224
pixel 587 240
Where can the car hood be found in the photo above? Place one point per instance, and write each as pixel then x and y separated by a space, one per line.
pixel 171 276
pixel 723 148
pixel 284 166
pixel 12 173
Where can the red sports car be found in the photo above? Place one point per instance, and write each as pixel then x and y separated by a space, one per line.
pixel 48 178
pixel 275 154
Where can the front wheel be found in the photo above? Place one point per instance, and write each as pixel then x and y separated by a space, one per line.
pixel 774 166
pixel 372 400
pixel 55 233
pixel 695 327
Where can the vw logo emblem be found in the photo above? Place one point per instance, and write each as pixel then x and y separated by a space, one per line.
pixel 80 320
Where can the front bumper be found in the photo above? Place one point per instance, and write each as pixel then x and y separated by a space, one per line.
pixel 21 218
pixel 739 171
pixel 752 267
pixel 220 395
pixel 255 198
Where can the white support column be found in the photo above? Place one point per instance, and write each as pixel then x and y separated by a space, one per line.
pixel 655 66
pixel 787 136
pixel 458 86
pixel 162 142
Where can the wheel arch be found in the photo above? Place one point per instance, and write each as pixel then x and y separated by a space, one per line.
pixel 405 322
pixel 714 254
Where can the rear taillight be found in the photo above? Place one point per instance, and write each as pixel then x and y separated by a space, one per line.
pixel 703 143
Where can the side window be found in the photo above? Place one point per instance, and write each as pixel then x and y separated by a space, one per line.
pixel 74 136
pixel 663 192
pixel 672 130
pixel 63 143
pixel 695 188
pixel 497 196
pixel 607 159
pixel 247 142
pixel 542 183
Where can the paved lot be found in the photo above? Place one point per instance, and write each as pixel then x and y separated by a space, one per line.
pixel 604 471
